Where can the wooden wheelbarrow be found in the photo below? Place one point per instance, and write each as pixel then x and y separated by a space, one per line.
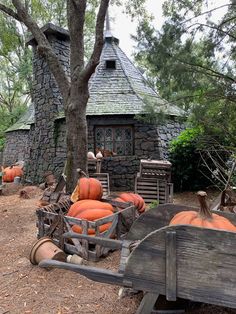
pixel 183 261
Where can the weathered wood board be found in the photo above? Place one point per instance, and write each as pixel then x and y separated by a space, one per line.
pixel 205 264
pixel 153 189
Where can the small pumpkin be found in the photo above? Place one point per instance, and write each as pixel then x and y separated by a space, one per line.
pixel 204 218
pixel 82 205
pixel 87 188
pixel 11 172
pixel 136 199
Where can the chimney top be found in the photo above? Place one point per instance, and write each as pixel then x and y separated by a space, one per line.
pixel 51 29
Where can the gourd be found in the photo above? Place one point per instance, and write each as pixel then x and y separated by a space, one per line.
pixel 136 199
pixel 92 215
pixel 82 205
pixel 11 172
pixel 87 188
pixel 204 218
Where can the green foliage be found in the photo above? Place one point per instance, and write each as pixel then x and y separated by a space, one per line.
pixel 186 161
pixel 151 113
pixel 153 204
pixel 191 61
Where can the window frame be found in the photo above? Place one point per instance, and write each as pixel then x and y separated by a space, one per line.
pixel 114 127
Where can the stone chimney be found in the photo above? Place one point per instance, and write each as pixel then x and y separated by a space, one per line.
pixel 47 102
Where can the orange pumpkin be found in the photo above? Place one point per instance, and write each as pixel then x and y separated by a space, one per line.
pixel 136 199
pixel 204 218
pixel 11 172
pixel 87 188
pixel 91 231
pixel 82 205
pixel 92 215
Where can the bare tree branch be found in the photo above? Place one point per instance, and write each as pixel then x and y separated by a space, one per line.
pixel 212 27
pixel 99 40
pixel 209 11
pixel 9 12
pixel 44 48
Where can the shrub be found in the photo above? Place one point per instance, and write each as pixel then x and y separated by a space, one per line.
pixel 186 161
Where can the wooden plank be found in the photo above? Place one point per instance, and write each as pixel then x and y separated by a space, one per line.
pixel 147 303
pixel 94 273
pixel 205 262
pixel 171 284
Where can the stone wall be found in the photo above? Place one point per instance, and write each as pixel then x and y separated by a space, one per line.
pixel 148 141
pixel 48 103
pixel 16 146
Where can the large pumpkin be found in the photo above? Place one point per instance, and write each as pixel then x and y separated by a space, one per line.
pixel 11 172
pixel 92 215
pixel 136 199
pixel 87 188
pixel 204 218
pixel 82 205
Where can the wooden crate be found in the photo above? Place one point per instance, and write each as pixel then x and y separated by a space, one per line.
pixel 153 189
pixel 94 166
pixel 52 221
pixel 159 169
pixel 104 179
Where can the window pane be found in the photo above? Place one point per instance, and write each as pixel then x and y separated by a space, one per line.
pixel 99 135
pixel 128 134
pixel 109 146
pixel 128 148
pixel 119 148
pixel 118 134
pixel 108 135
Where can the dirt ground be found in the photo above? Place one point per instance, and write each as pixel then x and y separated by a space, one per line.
pixel 25 288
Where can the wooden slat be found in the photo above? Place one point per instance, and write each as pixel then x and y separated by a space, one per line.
pixel 104 179
pixel 171 283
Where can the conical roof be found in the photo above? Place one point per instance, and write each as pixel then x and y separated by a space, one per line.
pixel 121 89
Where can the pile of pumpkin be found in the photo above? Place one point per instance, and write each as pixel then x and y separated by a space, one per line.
pixel 9 173
pixel 88 205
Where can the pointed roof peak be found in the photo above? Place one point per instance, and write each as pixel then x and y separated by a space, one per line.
pixel 108 34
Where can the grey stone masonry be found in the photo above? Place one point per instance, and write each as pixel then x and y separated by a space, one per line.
pixel 48 103
pixel 148 141
pixel 16 146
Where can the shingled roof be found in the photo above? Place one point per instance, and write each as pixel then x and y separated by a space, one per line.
pixel 123 89
pixel 24 122
pixel 119 90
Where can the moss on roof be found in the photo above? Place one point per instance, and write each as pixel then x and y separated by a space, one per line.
pixel 24 122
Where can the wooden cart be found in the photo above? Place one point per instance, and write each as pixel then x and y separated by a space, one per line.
pixel 176 261
pixel 52 221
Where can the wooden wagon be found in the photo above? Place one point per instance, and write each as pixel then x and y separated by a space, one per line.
pixel 176 261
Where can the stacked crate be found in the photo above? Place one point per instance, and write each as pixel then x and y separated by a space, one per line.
pixel 94 170
pixel 153 182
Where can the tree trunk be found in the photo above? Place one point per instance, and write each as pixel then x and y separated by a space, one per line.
pixel 76 129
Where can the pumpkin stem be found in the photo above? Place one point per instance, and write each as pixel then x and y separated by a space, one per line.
pixel 204 212
pixel 81 173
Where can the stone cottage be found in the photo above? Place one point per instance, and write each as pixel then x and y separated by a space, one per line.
pixel 118 92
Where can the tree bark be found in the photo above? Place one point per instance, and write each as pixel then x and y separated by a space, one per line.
pixel 76 134
pixel 75 92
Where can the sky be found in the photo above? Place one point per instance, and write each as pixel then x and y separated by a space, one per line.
pixel 122 27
